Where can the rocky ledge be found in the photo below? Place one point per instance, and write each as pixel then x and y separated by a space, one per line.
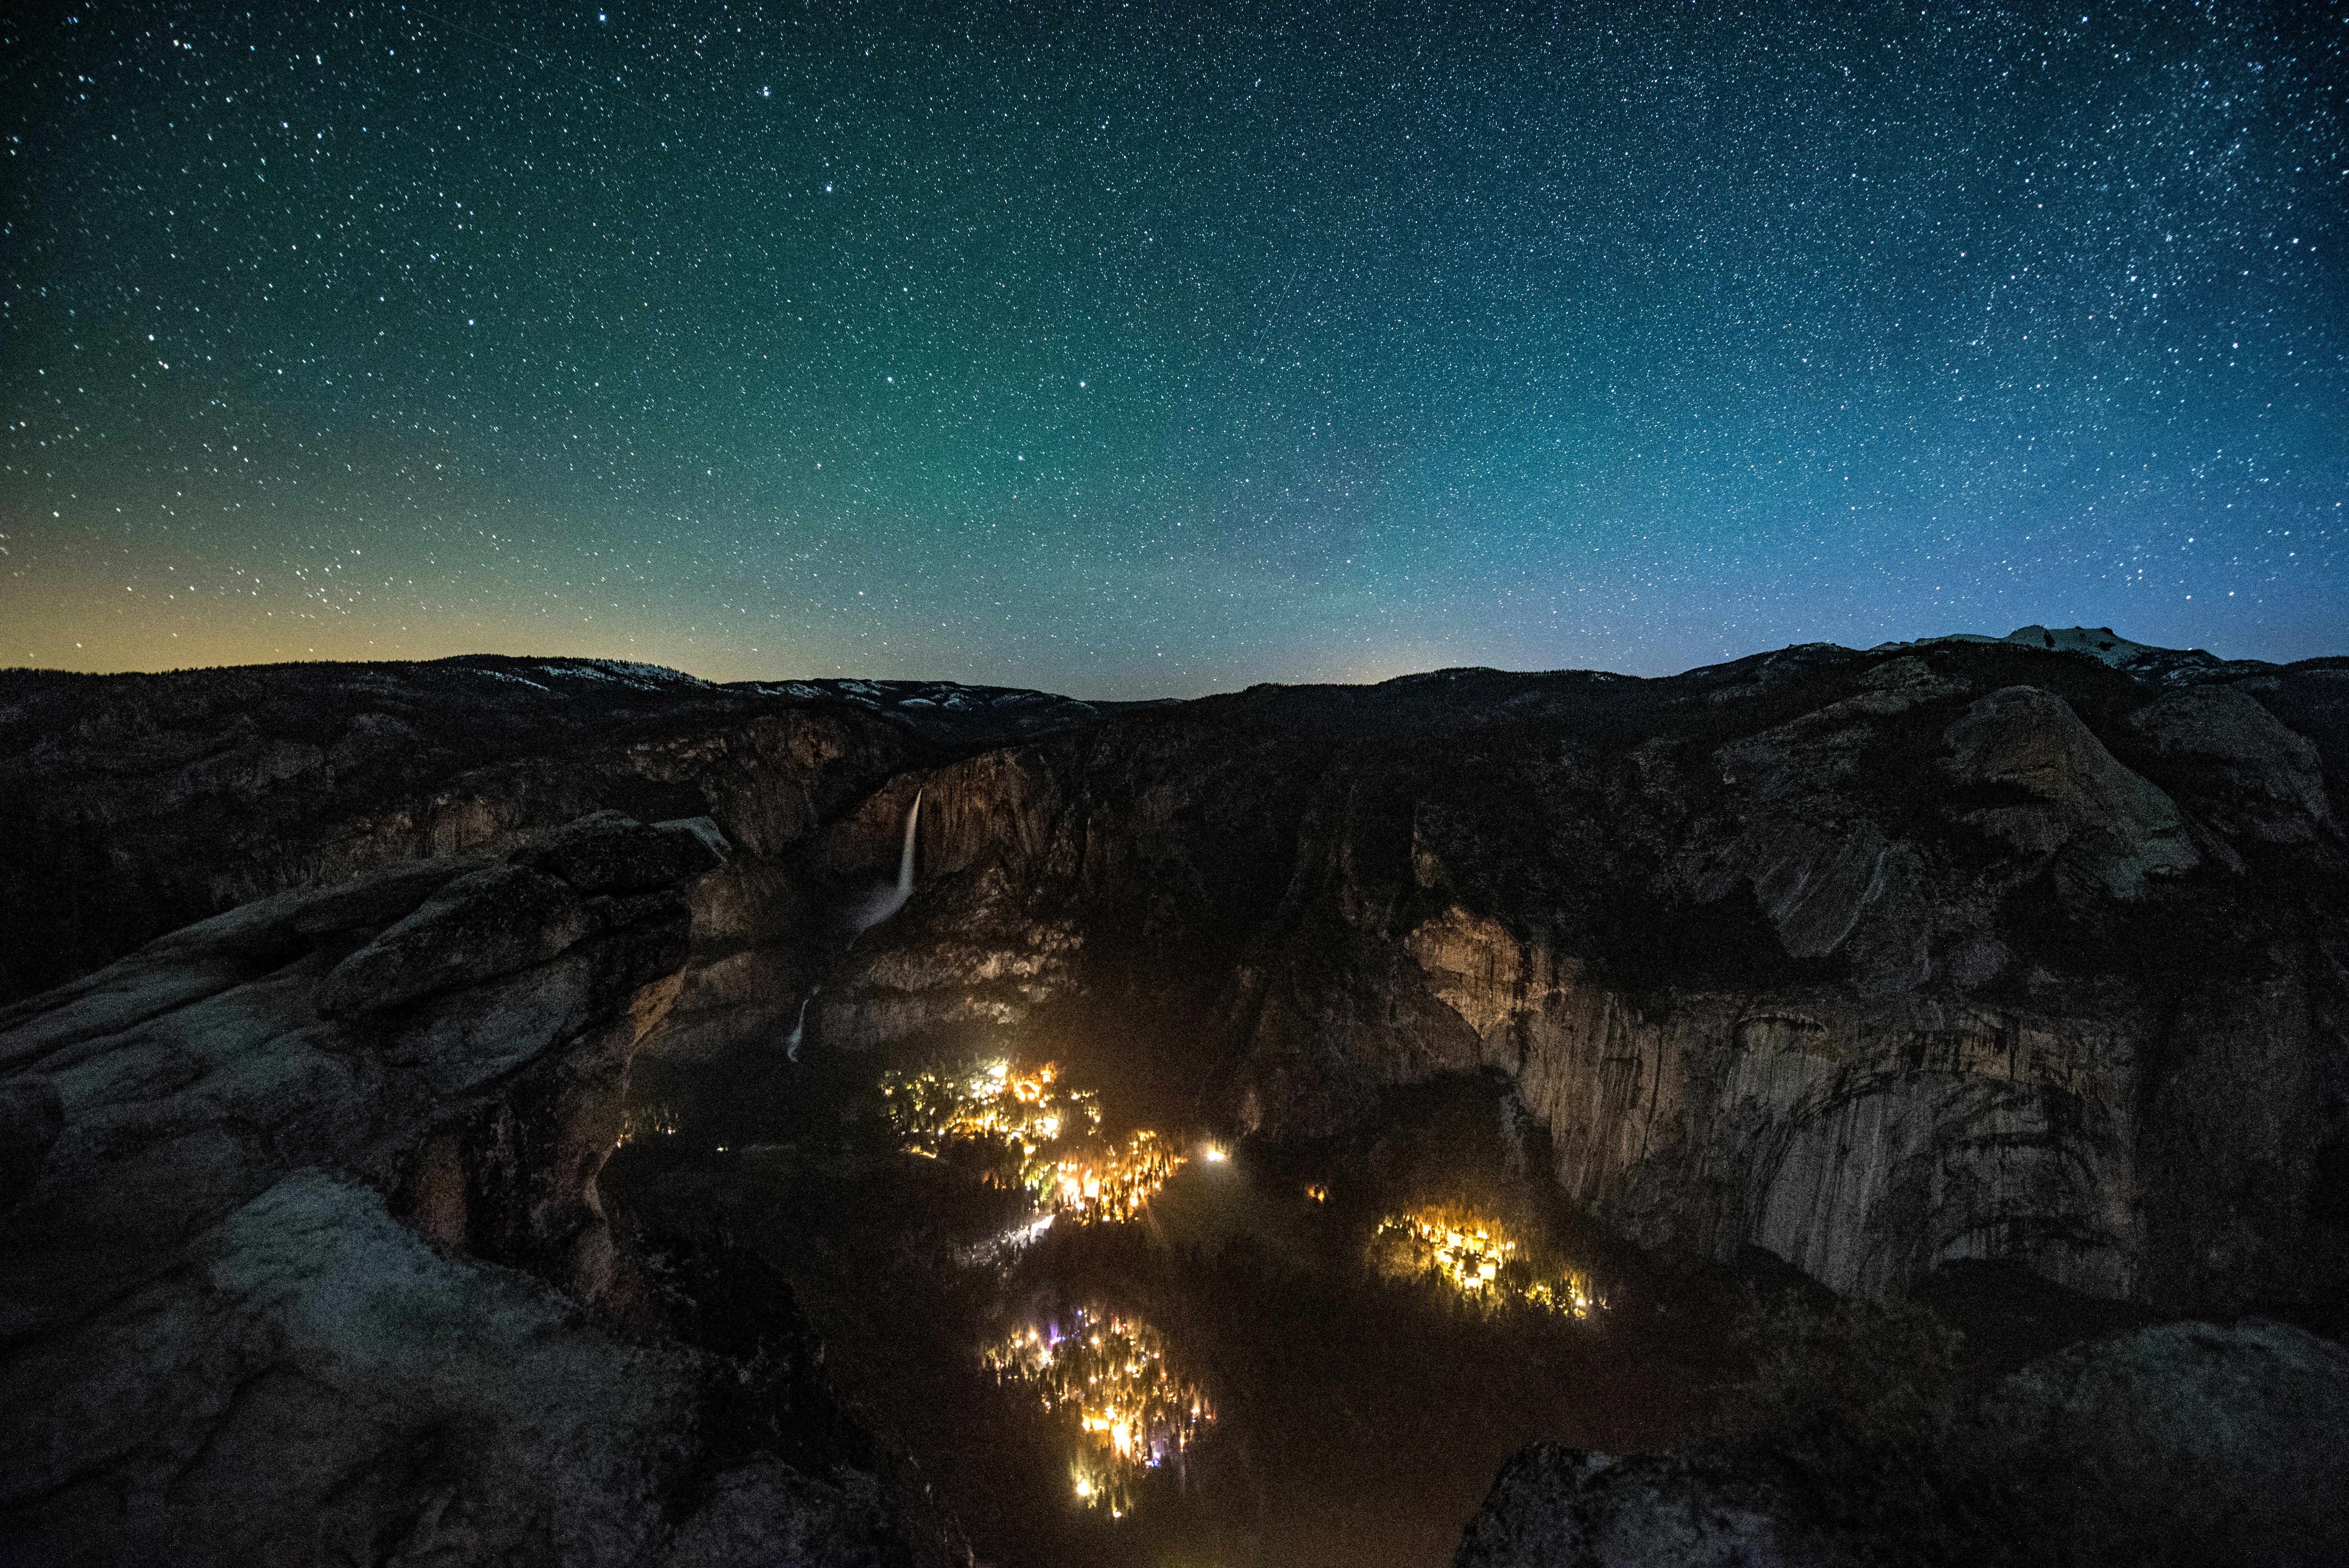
pixel 2186 1445
pixel 302 1258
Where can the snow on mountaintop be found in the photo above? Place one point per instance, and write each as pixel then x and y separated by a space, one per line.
pixel 2097 641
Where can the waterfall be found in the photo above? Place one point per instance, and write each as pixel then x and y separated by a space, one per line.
pixel 799 1030
pixel 906 860
pixel 868 912
pixel 886 902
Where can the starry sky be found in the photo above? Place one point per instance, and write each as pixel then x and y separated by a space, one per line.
pixel 1134 349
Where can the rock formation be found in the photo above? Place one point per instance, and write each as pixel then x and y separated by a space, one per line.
pixel 221 1344
pixel 2185 1445
pixel 2034 949
pixel 2029 948
pixel 148 801
pixel 1876 961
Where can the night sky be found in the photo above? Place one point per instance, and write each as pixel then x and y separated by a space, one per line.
pixel 1124 350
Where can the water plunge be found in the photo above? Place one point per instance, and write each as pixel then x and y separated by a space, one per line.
pixel 799 1029
pixel 885 902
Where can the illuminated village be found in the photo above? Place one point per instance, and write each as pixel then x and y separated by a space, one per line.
pixel 1108 1371
pixel 1476 1256
pixel 1045 1136
pixel 1028 1130
pixel 1111 1373
pixel 989 1102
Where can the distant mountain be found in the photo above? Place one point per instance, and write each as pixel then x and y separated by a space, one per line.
pixel 2169 665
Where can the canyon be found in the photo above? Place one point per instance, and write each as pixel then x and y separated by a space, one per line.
pixel 325 982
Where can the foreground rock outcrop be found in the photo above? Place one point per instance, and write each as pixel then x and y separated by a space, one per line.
pixel 2187 1444
pixel 143 802
pixel 302 1258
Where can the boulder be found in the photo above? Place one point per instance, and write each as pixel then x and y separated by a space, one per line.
pixel 313 1379
pixel 2189 1445
pixel 480 926
pixel 1556 1507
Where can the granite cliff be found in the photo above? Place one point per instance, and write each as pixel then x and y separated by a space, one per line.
pixel 330 978
pixel 1877 960
pixel 302 1259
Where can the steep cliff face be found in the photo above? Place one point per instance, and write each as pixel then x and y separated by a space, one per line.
pixel 1875 961
pixel 2029 949
pixel 143 802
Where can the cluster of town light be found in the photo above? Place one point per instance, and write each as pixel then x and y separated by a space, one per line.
pixel 1110 1373
pixel 1043 1137
pixel 1476 1256
pixel 1107 1372
pixel 647 1121
pixel 1106 1182
pixel 991 1102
